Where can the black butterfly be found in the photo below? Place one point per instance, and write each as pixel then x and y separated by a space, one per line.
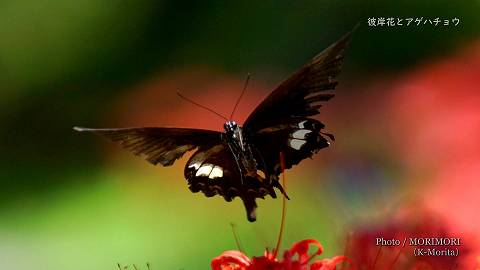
pixel 245 161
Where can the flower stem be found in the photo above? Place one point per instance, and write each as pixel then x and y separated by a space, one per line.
pixel 284 206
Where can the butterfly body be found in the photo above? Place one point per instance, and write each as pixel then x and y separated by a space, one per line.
pixel 244 161
pixel 241 151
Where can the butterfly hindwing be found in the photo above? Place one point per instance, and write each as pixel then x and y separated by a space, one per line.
pixel 297 140
pixel 158 145
pixel 214 171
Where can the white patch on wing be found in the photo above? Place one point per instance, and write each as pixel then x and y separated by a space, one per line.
pixel 302 124
pixel 300 134
pixel 204 170
pixel 216 172
pixel 296 143
pixel 194 165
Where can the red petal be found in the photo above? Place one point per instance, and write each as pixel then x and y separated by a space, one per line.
pixel 301 248
pixel 231 259
pixel 330 264
pixel 264 263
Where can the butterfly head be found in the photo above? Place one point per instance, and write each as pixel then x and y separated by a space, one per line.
pixel 230 127
pixel 234 131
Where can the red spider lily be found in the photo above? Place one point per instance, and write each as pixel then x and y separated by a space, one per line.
pixel 443 141
pixel 295 258
pixel 432 118
pixel 236 260
pixel 365 254
pixel 438 104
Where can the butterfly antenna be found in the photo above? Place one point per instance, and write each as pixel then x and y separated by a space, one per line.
pixel 237 239
pixel 284 206
pixel 201 106
pixel 241 95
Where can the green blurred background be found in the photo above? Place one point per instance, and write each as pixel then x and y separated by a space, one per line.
pixel 70 201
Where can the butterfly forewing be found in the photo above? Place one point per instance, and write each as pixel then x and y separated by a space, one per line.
pixel 159 145
pixel 301 93
pixel 282 123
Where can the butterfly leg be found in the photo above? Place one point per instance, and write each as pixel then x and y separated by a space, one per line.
pixel 264 169
pixel 277 184
pixel 236 158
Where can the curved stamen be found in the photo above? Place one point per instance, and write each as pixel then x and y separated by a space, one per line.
pixel 237 239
